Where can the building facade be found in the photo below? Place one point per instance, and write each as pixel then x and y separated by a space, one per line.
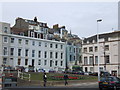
pixel 73 56
pixel 30 28
pixel 39 30
pixel 108 53
pixel 19 50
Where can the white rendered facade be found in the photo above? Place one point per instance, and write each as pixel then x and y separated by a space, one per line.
pixel 16 50
pixel 109 54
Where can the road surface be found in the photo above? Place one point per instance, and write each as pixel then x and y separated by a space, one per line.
pixel 81 86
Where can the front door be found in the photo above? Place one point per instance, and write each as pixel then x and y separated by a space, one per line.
pixel 86 69
pixel 32 62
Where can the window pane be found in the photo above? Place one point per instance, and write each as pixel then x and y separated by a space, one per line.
pixel 39 54
pixel 19 52
pixel 85 61
pixel 33 53
pixel 12 51
pixel 51 45
pixel 19 41
pixel 45 54
pixel 4 60
pixel 51 54
pixel 61 46
pixel 26 52
pixel 85 49
pixel 61 63
pixel 107 59
pixel 19 61
pixel 56 46
pixel 61 55
pixel 96 59
pixel 56 63
pixel 106 47
pixel 5 29
pixel 26 61
pixel 5 39
pixel 56 55
pixel 26 42
pixel 45 62
pixel 39 62
pixel 5 51
pixel 33 43
pixel 50 63
pixel 90 49
pixel 12 40
pixel 39 43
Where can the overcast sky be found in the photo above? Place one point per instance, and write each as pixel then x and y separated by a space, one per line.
pixel 79 17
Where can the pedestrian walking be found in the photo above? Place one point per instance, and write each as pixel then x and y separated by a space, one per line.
pixel 65 78
pixel 45 79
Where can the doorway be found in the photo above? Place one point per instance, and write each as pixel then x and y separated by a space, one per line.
pixel 33 62
pixel 86 69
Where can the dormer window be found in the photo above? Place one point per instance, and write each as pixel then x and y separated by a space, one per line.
pixel 87 42
pixel 5 29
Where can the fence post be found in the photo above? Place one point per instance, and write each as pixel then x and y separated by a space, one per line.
pixel 18 74
pixel 29 77
pixel 22 75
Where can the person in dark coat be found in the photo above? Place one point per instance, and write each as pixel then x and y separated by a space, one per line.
pixel 44 79
pixel 65 78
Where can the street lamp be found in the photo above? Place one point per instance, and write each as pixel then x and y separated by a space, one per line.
pixel 99 20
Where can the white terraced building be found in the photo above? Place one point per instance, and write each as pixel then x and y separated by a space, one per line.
pixel 16 50
pixel 109 53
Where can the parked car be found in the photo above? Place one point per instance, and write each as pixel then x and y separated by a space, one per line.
pixel 41 70
pixel 52 71
pixel 9 68
pixel 109 82
pixel 74 72
pixel 81 72
pixel 31 70
pixel 20 68
pixel 95 74
pixel 68 71
pixel 87 73
pixel 104 73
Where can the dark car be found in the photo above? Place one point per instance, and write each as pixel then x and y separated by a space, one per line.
pixel 81 72
pixel 110 82
pixel 104 73
pixel 9 68
pixel 20 68
pixel 68 71
pixel 95 74
pixel 41 70
pixel 31 70
pixel 52 71
pixel 74 72
pixel 87 73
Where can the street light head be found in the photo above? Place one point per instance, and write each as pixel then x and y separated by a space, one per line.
pixel 99 20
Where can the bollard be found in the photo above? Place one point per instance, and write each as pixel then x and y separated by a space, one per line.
pixel 22 75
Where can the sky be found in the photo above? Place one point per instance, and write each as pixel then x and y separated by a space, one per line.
pixel 79 17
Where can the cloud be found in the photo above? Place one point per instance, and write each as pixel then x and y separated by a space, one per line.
pixel 80 17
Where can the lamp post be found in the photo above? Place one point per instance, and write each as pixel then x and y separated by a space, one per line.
pixel 99 20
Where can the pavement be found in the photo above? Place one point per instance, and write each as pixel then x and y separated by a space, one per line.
pixel 83 85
